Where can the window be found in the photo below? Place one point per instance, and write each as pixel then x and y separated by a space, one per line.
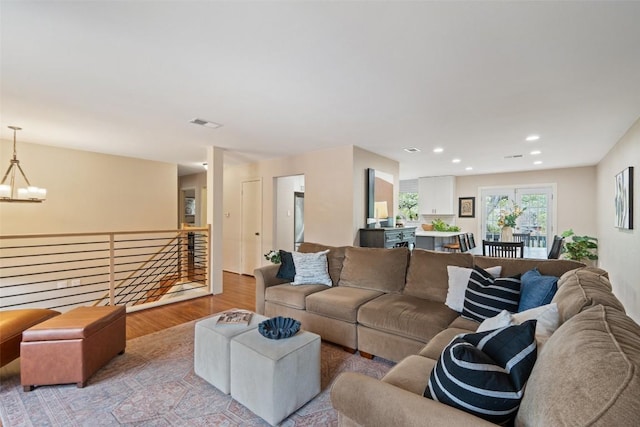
pixel 408 199
pixel 537 219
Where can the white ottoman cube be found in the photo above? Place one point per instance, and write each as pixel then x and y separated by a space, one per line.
pixel 211 349
pixel 273 378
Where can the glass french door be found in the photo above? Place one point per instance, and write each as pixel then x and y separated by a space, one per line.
pixel 537 219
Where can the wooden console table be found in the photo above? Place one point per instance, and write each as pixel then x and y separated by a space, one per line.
pixel 388 237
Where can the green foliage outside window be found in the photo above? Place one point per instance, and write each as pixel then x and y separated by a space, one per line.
pixel 409 206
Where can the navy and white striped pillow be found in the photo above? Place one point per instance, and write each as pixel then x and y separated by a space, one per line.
pixel 487 296
pixel 485 373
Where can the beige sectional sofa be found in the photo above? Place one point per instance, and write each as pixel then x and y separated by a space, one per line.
pixel 383 302
pixel 390 303
pixel 586 374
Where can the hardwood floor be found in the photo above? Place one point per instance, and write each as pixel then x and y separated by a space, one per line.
pixel 239 292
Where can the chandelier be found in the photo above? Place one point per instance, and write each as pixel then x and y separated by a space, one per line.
pixel 9 192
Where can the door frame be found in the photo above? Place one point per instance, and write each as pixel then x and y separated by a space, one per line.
pixel 259 209
pixel 513 188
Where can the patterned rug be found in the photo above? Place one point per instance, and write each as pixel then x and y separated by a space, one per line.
pixel 153 384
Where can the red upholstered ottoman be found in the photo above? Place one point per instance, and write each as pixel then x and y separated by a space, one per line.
pixel 71 347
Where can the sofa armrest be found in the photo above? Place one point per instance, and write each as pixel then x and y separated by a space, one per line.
pixel 265 277
pixel 370 402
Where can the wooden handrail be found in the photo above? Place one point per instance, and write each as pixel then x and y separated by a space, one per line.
pixel 99 233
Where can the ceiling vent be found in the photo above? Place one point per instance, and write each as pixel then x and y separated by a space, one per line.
pixel 412 150
pixel 514 156
pixel 205 123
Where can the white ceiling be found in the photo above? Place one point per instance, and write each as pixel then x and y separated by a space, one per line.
pixel 475 78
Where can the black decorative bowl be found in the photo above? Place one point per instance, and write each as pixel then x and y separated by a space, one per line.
pixel 279 327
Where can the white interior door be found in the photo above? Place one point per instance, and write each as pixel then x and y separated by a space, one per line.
pixel 251 226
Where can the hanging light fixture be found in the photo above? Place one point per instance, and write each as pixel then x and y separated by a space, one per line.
pixel 9 192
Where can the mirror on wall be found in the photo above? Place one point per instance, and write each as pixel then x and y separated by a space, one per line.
pixel 380 197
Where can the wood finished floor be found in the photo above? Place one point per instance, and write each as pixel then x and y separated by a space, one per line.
pixel 239 292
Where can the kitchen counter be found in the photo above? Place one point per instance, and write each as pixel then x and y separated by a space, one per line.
pixel 420 232
pixel 434 240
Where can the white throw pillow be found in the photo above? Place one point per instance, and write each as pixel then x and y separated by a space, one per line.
pixel 548 319
pixel 547 316
pixel 458 281
pixel 311 268
pixel 500 320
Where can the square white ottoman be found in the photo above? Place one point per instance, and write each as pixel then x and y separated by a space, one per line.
pixel 211 349
pixel 273 378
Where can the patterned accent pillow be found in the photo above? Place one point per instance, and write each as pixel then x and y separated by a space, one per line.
pixel 487 296
pixel 458 281
pixel 311 268
pixel 485 373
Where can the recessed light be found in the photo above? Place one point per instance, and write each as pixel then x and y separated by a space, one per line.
pixel 537 162
pixel 456 161
pixel 412 150
pixel 532 138
pixel 535 152
pixel 205 123
pixel 468 168
pixel 438 150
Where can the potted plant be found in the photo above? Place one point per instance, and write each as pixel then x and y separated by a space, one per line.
pixel 580 247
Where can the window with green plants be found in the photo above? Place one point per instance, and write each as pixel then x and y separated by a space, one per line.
pixel 408 206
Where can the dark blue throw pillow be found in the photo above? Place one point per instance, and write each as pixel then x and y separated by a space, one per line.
pixel 536 289
pixel 287 268
pixel 485 373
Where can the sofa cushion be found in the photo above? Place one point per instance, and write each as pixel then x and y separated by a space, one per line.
pixel 290 295
pixel 335 257
pixel 375 269
pixel 487 296
pixel 536 289
pixel 409 375
pixel 583 288
pixel 594 359
pixel 340 302
pixel 427 276
pixel 311 268
pixel 434 347
pixel 462 323
pixel 513 266
pixel 485 373
pixel 407 316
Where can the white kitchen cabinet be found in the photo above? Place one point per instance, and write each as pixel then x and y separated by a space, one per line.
pixel 436 195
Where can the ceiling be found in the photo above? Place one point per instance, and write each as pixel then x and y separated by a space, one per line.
pixel 474 78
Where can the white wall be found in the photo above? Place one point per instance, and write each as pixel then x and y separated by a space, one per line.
pixel 286 187
pixel 576 198
pixel 335 194
pixel 89 192
pixel 619 250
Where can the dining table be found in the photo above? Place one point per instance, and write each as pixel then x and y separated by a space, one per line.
pixel 529 252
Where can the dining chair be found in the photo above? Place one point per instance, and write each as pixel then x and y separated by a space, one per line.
pixel 460 244
pixel 522 237
pixel 471 241
pixel 503 249
pixel 556 247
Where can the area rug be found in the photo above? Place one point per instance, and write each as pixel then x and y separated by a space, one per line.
pixel 153 384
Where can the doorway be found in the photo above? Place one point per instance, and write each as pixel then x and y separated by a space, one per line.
pixel 251 234
pixel 289 213
pixel 538 218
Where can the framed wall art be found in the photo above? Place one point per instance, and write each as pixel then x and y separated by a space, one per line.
pixel 624 199
pixel 466 207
